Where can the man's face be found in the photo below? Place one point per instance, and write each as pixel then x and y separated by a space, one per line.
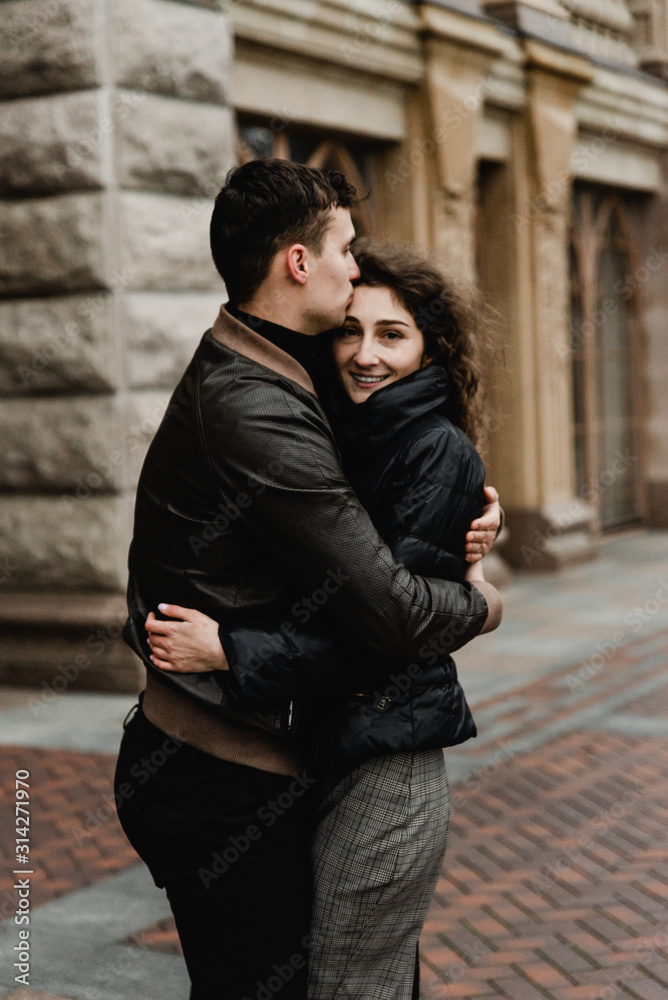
pixel 329 287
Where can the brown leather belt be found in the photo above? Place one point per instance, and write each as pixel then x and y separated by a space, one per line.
pixel 183 719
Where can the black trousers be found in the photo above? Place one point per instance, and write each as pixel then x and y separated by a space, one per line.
pixel 230 844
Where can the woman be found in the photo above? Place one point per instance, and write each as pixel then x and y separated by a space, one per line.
pixel 401 408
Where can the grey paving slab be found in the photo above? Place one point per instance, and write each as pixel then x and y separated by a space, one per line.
pixel 592 717
pixel 78 949
pixel 487 715
pixel 481 684
pixel 91 723
pixel 627 724
pixel 553 621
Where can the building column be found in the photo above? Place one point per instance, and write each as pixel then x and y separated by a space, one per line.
pixel 548 524
pixel 116 135
pixel 458 54
pixel 654 304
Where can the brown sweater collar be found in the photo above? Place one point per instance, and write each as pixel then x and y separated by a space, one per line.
pixel 240 338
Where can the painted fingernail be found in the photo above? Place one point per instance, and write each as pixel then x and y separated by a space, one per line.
pixel 162 607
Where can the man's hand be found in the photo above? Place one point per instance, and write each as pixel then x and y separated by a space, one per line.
pixel 484 529
pixel 189 646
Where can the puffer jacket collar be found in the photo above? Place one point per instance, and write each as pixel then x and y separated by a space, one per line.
pixel 241 339
pixel 364 430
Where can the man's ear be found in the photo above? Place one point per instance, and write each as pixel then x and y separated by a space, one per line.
pixel 297 261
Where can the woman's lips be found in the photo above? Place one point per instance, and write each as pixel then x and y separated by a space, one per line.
pixel 365 381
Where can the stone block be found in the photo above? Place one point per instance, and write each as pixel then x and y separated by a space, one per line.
pixel 174 146
pixel 114 461
pixel 48 45
pixel 162 332
pixel 47 543
pixel 53 664
pixel 82 447
pixel 143 412
pixel 176 49
pixel 57 345
pixel 53 244
pixel 65 641
pixel 165 243
pixel 50 144
pixel 61 443
pixel 551 536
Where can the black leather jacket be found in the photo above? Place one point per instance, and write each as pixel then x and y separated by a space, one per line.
pixel 243 510
pixel 421 480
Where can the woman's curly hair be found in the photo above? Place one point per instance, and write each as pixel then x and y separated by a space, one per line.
pixel 452 317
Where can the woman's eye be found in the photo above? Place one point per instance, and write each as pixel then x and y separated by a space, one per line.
pixel 393 335
pixel 348 331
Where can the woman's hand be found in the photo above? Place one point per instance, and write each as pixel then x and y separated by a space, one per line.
pixel 484 529
pixel 189 646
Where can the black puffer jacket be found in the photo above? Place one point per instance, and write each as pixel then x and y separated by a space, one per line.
pixel 421 480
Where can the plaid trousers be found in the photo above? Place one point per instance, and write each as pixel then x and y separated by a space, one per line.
pixel 378 848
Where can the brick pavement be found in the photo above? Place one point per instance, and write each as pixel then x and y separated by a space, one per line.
pixel 555 880
pixel 75 837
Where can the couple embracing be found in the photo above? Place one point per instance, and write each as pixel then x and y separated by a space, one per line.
pixel 308 528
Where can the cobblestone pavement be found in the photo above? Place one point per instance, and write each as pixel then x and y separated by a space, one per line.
pixel 555 882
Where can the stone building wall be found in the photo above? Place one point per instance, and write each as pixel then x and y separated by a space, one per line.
pixel 115 134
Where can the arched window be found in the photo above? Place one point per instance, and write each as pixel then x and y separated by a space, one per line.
pixel 352 157
pixel 606 346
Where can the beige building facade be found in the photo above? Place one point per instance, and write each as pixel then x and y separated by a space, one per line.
pixel 524 144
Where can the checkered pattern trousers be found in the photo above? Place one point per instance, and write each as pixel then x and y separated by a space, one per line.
pixel 377 854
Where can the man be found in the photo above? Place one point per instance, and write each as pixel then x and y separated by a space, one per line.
pixel 242 510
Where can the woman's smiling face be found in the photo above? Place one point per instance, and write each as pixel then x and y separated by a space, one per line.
pixel 379 343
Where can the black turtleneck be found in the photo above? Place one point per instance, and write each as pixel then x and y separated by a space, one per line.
pixel 310 351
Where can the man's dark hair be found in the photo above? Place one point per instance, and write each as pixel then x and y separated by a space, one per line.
pixel 267 205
